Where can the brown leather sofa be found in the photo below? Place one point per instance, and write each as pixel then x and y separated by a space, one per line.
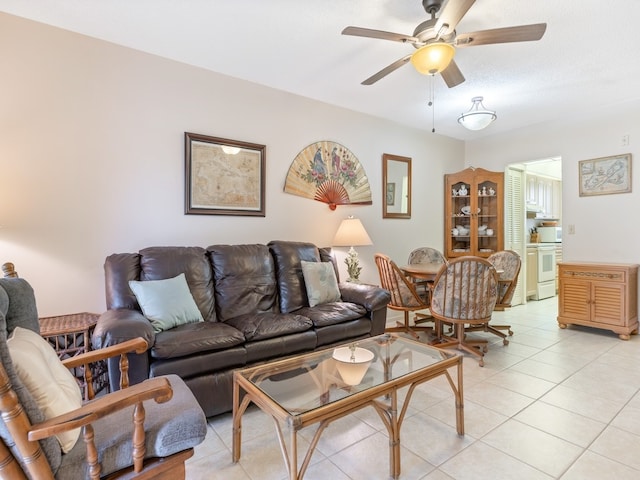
pixel 255 308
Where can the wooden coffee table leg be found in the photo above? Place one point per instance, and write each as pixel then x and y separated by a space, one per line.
pixel 238 410
pixel 394 437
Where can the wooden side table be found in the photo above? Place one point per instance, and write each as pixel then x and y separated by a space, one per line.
pixel 70 335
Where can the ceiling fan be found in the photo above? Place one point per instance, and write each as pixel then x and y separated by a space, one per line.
pixel 436 39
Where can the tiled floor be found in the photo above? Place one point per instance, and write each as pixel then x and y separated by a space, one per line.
pixel 554 403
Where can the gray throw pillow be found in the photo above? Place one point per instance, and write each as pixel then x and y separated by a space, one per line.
pixel 320 282
pixel 166 303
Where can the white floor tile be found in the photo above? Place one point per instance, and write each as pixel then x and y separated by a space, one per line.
pixel 553 404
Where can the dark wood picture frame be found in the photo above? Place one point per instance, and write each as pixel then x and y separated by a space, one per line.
pixel 224 177
pixel 396 186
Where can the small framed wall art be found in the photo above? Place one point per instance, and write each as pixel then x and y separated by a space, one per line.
pixel 605 175
pixel 223 177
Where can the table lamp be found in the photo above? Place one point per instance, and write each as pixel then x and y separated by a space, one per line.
pixel 352 233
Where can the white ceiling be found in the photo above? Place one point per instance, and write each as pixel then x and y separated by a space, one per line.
pixel 587 58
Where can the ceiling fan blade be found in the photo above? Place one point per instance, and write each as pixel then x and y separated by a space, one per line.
pixel 522 33
pixel 387 70
pixel 453 12
pixel 452 75
pixel 370 33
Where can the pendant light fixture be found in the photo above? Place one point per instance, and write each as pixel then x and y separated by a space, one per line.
pixel 478 117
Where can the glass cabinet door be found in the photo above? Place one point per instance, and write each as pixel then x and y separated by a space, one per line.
pixel 473 213
pixel 487 217
pixel 460 221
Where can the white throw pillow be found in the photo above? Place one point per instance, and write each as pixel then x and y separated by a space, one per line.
pixel 50 383
pixel 320 282
pixel 166 303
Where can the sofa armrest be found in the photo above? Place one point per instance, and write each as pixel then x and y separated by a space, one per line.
pixel 370 297
pixel 117 326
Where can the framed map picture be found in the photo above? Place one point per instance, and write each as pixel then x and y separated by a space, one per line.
pixel 606 175
pixel 223 177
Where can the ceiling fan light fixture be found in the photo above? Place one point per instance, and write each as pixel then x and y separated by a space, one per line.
pixel 478 117
pixel 433 58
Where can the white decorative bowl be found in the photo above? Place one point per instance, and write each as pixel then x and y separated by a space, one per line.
pixel 352 363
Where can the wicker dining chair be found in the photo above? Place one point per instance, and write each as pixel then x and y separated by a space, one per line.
pixel 425 255
pixel 464 293
pixel 508 263
pixel 404 297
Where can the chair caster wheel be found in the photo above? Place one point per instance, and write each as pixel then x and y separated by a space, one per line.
pixel 510 333
pixel 505 342
pixel 481 362
pixel 485 349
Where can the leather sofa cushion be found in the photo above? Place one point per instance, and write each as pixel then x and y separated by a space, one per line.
pixel 260 326
pixel 287 257
pixel 195 337
pixel 280 347
pixel 332 313
pixel 159 263
pixel 245 280
pixel 204 363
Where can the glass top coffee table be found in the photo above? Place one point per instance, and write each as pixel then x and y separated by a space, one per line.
pixel 318 388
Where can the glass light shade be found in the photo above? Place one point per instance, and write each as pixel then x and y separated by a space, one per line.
pixel 351 233
pixel 352 363
pixel 478 117
pixel 433 58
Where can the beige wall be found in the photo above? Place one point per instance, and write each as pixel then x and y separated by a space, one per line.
pixel 92 162
pixel 606 226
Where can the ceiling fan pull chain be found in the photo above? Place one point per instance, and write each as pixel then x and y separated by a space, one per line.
pixel 432 104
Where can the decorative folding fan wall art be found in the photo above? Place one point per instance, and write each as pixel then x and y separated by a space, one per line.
pixel 328 172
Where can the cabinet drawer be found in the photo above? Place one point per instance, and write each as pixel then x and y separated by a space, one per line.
pixel 585 273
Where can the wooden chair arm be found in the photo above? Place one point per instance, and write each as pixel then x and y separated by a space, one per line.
pixel 137 345
pixel 158 389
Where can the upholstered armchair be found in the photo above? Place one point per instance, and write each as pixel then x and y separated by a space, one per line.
pixel 144 431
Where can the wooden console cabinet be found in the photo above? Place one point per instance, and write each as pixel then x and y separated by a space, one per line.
pixel 600 295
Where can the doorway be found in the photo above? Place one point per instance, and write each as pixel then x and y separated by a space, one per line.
pixel 533 195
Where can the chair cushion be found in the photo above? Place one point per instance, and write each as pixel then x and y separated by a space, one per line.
pixel 51 384
pixel 320 282
pixel 166 303
pixel 18 287
pixel 170 427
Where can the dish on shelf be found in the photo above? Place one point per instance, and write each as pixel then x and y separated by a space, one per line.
pixel 486 250
pixel 460 249
pixel 467 210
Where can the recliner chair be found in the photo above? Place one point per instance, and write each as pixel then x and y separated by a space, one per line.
pixel 145 431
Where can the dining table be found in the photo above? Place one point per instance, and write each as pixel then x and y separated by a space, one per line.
pixel 422 271
pixel 427 271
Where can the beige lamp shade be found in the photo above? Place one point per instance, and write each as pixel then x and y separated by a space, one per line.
pixel 351 233
pixel 433 58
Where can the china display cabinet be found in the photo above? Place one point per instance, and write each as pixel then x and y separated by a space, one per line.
pixel 474 205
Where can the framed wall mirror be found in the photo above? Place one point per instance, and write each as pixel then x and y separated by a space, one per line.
pixel 396 186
